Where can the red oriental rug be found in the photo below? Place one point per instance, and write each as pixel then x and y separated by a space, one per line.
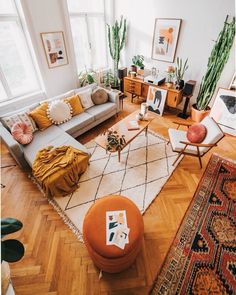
pixel 202 257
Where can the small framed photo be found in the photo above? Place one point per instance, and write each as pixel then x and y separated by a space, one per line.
pixel 156 99
pixel 165 39
pixel 224 110
pixel 55 49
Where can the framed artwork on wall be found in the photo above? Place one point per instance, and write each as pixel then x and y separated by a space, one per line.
pixel 156 99
pixel 165 39
pixel 224 110
pixel 55 49
pixel 232 85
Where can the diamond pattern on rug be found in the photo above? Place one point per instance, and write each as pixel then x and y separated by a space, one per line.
pixel 145 166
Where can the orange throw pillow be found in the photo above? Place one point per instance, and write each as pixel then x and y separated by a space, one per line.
pixel 39 115
pixel 75 103
pixel 196 133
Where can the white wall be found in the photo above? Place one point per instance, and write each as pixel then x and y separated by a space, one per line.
pixel 202 21
pixel 49 16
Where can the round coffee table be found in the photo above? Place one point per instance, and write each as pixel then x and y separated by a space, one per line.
pixel 110 258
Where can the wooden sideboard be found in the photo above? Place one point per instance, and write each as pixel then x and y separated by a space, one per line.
pixel 137 87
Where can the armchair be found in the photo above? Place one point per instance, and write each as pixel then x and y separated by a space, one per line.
pixel 180 143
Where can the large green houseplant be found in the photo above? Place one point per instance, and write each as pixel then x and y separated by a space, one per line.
pixel 116 42
pixel 216 62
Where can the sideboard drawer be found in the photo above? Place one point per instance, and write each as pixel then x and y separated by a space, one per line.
pixel 173 99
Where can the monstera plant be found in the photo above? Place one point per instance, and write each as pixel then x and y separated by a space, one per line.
pixel 11 250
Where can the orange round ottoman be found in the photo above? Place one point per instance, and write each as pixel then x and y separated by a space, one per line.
pixel 110 258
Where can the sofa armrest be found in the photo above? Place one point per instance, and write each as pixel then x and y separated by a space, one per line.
pixel 114 97
pixel 14 147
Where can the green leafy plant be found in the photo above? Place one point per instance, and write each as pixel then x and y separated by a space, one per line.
pixel 116 42
pixel 11 250
pixel 216 62
pixel 86 77
pixel 138 60
pixel 180 69
pixel 115 142
pixel 108 79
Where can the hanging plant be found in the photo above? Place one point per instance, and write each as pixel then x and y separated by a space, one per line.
pixel 216 62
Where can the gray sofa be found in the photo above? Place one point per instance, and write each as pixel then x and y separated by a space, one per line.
pixel 64 134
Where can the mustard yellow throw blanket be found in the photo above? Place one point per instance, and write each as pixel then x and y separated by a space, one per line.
pixel 57 170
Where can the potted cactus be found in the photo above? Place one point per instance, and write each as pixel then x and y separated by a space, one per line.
pixel 11 250
pixel 116 42
pixel 180 70
pixel 216 62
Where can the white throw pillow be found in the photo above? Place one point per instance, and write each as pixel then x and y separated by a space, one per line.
pixel 85 98
pixel 59 112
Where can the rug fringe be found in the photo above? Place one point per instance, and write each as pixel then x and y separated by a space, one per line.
pixel 60 212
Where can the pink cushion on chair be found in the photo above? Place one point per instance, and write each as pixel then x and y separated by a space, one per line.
pixel 22 132
pixel 196 133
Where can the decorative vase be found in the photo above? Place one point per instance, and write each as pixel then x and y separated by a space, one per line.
pixel 197 115
pixel 144 108
pixel 179 84
pixel 133 68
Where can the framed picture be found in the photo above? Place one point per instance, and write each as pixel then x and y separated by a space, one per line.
pixel 156 99
pixel 232 85
pixel 165 38
pixel 55 49
pixel 224 110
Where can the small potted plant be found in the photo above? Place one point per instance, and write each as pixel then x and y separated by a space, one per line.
pixel 11 250
pixel 170 76
pixel 86 77
pixel 115 142
pixel 137 61
pixel 180 70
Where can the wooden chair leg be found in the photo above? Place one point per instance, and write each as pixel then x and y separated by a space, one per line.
pixel 180 153
pixel 199 157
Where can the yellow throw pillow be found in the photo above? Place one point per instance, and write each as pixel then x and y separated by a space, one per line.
pixel 39 115
pixel 75 103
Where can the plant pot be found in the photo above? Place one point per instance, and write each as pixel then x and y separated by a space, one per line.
pixel 115 87
pixel 197 115
pixel 133 68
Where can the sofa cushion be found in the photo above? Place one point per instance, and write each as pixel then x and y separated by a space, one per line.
pixel 54 136
pixel 85 98
pixel 22 133
pixel 77 122
pixel 39 115
pixel 59 112
pixel 76 105
pixel 99 96
pixel 98 111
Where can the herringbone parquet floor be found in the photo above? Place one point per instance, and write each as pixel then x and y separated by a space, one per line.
pixel 55 263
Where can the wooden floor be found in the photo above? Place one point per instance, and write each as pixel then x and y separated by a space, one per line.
pixel 56 263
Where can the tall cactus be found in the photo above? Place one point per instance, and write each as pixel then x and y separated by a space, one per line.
pixel 116 42
pixel 216 62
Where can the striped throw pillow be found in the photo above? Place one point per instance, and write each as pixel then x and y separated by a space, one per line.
pixel 19 118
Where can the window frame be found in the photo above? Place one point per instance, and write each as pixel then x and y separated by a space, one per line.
pixel 86 15
pixel 18 18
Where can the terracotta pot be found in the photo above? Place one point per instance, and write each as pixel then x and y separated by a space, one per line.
pixel 197 115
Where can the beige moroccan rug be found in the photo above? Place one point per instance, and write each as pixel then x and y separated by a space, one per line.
pixel 145 166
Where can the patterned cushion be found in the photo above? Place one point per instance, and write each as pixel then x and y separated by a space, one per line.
pixel 9 121
pixel 99 96
pixel 196 133
pixel 22 132
pixel 76 105
pixel 39 115
pixel 85 98
pixel 59 112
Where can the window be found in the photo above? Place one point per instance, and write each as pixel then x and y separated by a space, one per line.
pixel 18 76
pixel 88 26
